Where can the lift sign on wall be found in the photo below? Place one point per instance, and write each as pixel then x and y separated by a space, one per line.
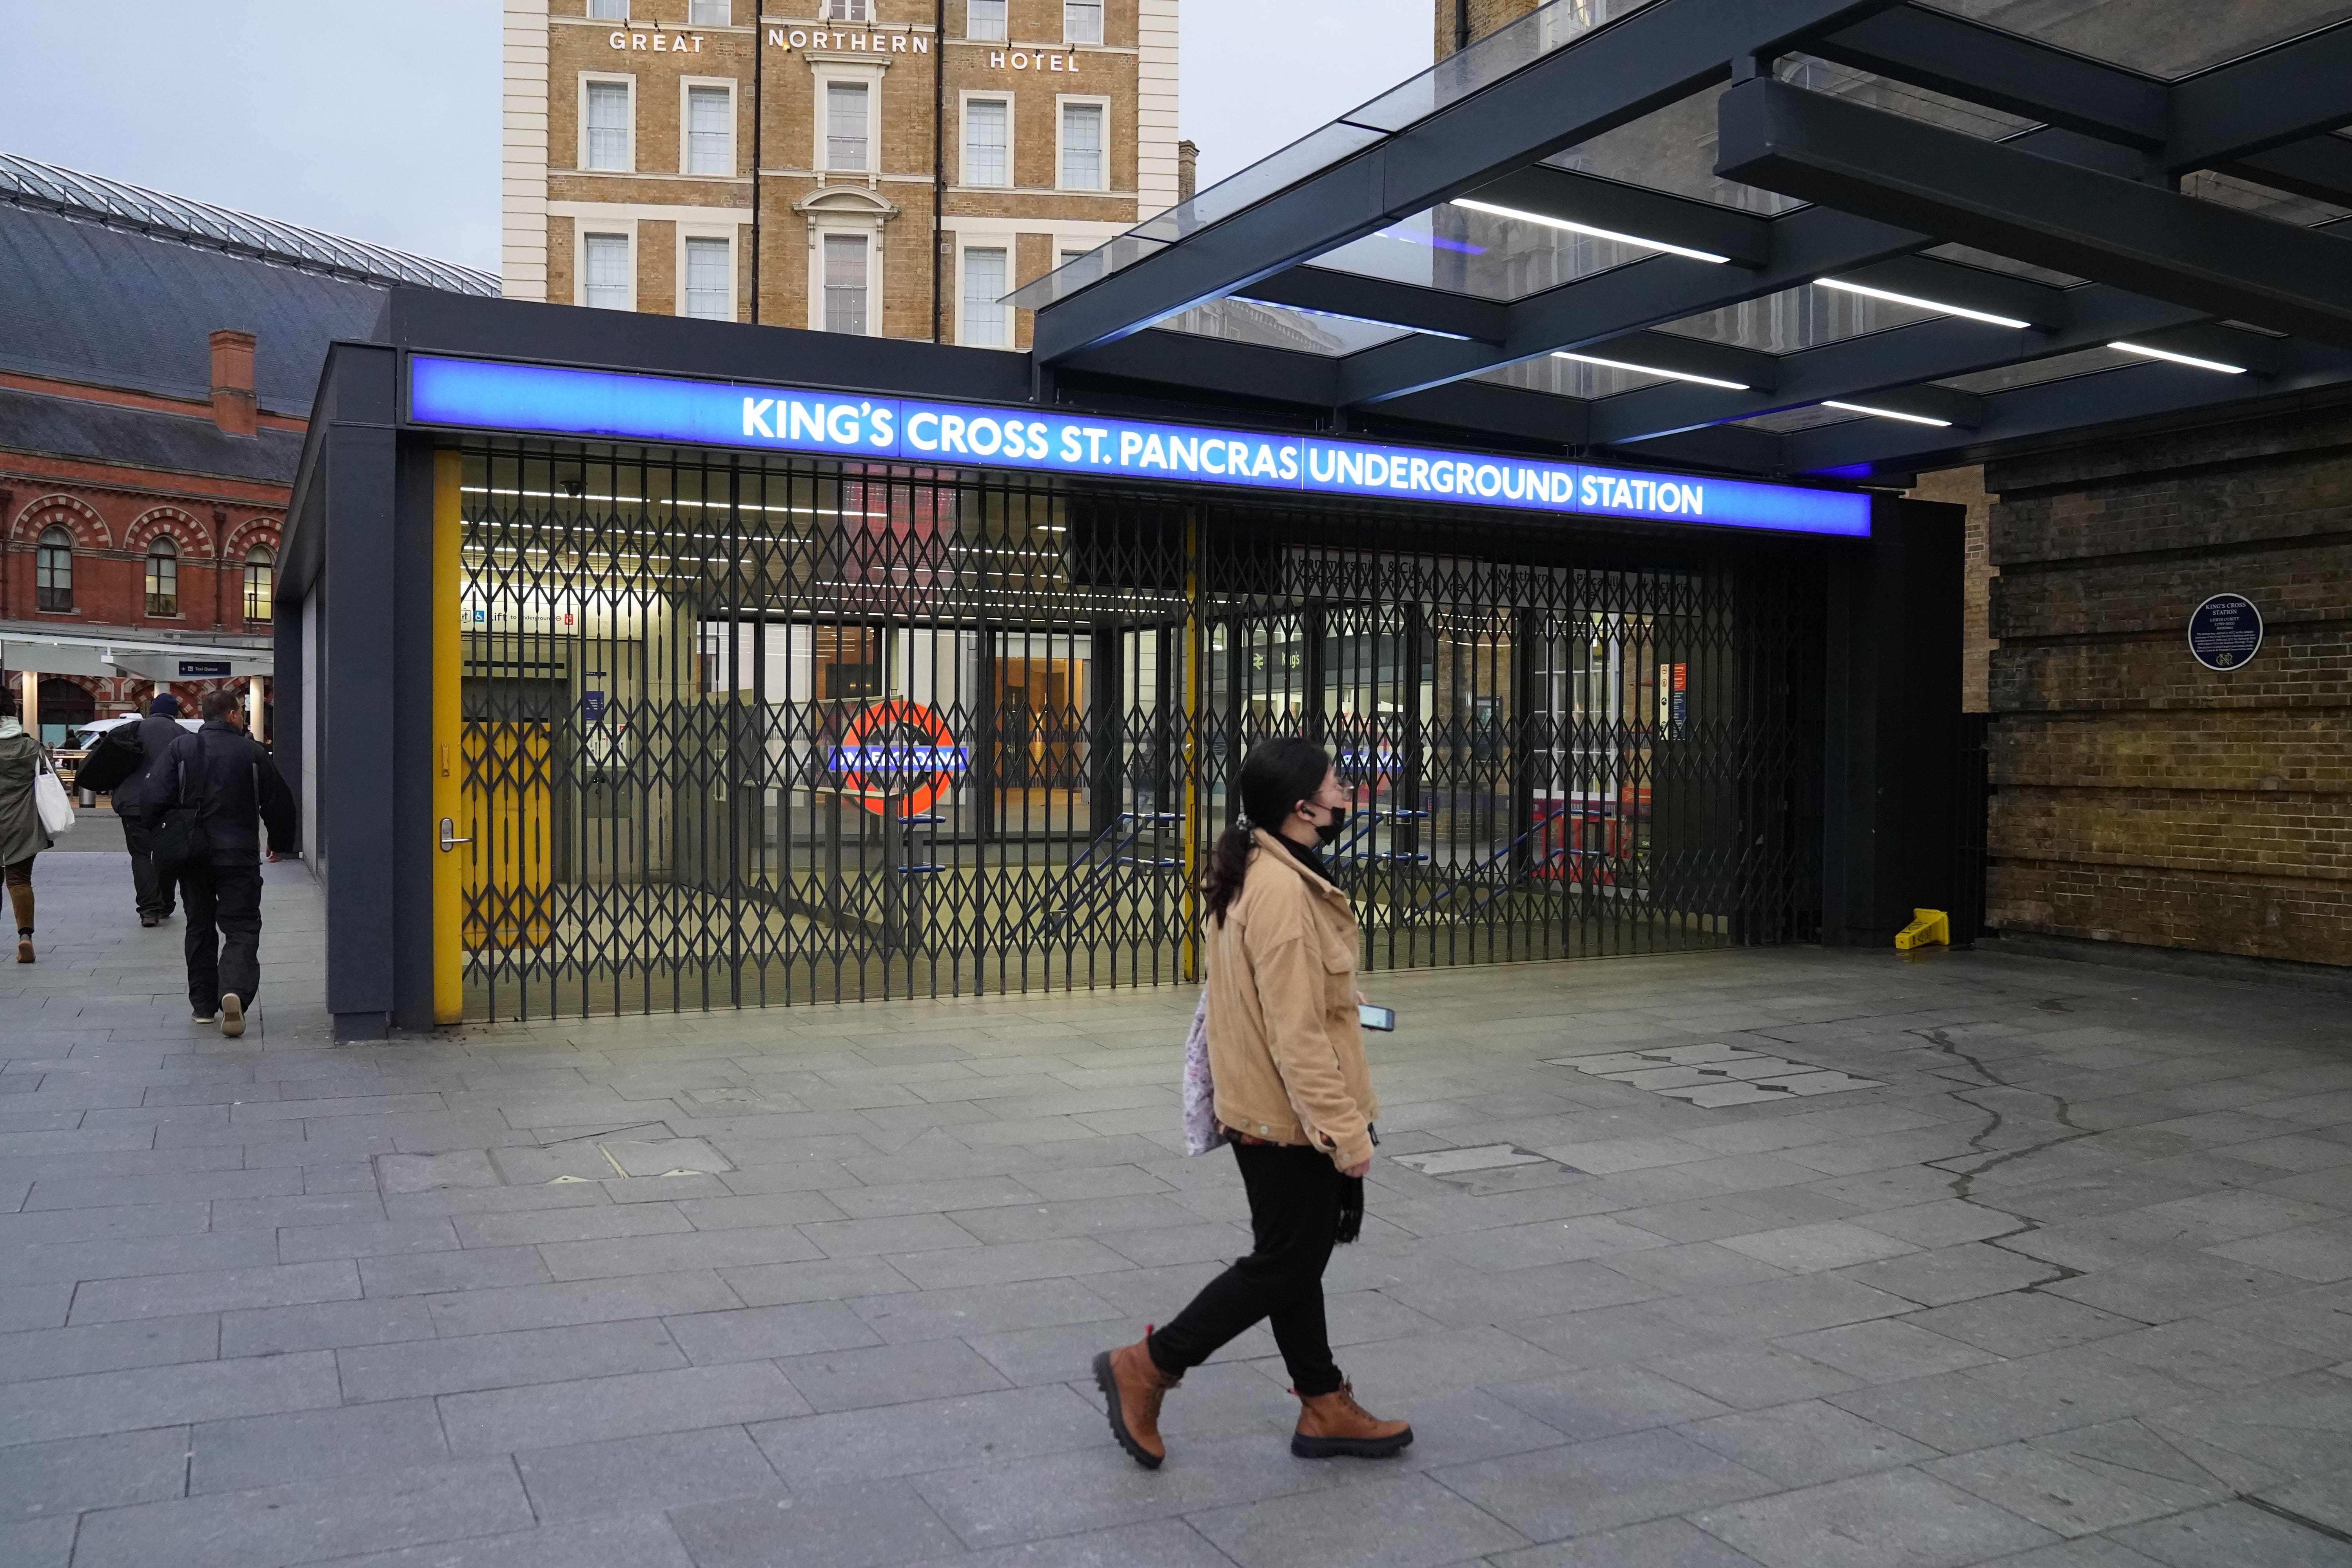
pixel 485 395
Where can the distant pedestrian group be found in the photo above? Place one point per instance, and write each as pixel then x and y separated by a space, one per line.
pixel 194 803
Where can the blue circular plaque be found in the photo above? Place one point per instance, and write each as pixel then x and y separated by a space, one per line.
pixel 2225 632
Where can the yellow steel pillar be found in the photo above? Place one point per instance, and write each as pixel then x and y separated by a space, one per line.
pixel 450 823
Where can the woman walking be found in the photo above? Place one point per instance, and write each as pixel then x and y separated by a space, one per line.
pixel 1293 1098
pixel 22 836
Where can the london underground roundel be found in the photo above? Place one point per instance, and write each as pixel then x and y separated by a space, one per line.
pixel 897 750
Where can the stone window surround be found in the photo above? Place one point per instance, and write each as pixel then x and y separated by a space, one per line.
pixel 690 228
pixel 580 154
pixel 847 209
pixel 967 240
pixel 964 99
pixel 828 68
pixel 685 85
pixel 626 227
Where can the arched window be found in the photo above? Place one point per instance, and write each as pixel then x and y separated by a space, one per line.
pixel 162 577
pixel 53 570
pixel 260 582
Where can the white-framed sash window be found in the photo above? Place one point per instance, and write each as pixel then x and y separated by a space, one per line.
pixel 709 130
pixel 610 139
pixel 1082 21
pixel 605 275
pixel 1085 162
pixel 848 276
pixel 849 119
pixel 710 13
pixel 709 280
pixel 986 322
pixel 984 19
pixel 987 141
pixel 608 10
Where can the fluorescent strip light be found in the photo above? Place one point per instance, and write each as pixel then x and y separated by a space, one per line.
pixel 1550 222
pixel 1888 413
pixel 1360 321
pixel 2191 360
pixel 1935 305
pixel 1651 370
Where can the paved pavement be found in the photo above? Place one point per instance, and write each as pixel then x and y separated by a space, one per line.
pixel 2072 1287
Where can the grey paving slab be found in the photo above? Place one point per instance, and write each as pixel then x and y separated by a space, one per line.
pixel 875 1443
pixel 108 1347
pixel 1098 1487
pixel 1409 1521
pixel 646 1475
pixel 638 1541
pixel 1901 1518
pixel 2234 1533
pixel 166 1396
pixel 587 1410
pixel 890 1375
pixel 860 1525
pixel 411 1368
pixel 69 1475
pixel 1663 1543
pixel 1590 1487
pixel 302 1444
pixel 307 1521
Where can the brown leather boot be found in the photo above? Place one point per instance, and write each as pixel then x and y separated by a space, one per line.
pixel 1331 1425
pixel 1134 1386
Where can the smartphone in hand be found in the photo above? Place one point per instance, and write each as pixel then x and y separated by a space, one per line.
pixel 1372 1017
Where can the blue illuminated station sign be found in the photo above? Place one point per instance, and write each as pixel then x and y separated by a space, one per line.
pixel 547 399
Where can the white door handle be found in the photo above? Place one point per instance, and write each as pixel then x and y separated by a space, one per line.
pixel 448 843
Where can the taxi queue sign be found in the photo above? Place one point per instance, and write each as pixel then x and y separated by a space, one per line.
pixel 897 751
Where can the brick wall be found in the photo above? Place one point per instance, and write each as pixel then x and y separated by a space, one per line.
pixel 2142 797
pixel 1965 487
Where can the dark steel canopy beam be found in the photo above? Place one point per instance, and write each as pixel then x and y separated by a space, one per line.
pixel 1863 369
pixel 1382 299
pixel 2079 403
pixel 1576 316
pixel 1625 209
pixel 1216 364
pixel 1611 77
pixel 2299 89
pixel 2003 198
pixel 1965 59
pixel 2320 167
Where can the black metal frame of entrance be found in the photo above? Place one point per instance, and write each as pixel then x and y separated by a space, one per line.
pixel 743 731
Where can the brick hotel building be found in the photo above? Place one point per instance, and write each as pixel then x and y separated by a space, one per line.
pixel 885 167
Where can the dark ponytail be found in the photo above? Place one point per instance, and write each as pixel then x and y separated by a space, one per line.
pixel 1275 777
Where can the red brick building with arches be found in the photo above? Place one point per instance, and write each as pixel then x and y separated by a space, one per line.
pixel 155 383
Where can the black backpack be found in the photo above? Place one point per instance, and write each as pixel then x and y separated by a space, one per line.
pixel 115 758
pixel 179 840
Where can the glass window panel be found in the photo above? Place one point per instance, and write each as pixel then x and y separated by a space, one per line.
pixel 849 10
pixel 1569 378
pixel 844 283
pixel 710 280
pixel 1671 150
pixel 984 160
pixel 711 13
pixel 845 141
pixel 709 130
pixel 984 320
pixel 1082 146
pixel 53 570
pixel 2158 36
pixel 604 267
pixel 163 578
pixel 1812 417
pixel 1082 21
pixel 1478 253
pixel 1279 327
pixel 260 583
pixel 2033 372
pixel 2260 200
pixel 608 125
pixel 1797 319
pixel 608 10
pixel 983 19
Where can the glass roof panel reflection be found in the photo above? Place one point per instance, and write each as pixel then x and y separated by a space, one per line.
pixel 1671 150
pixel 2033 373
pixel 1569 378
pixel 1798 319
pixel 2159 38
pixel 2260 200
pixel 1466 252
pixel 1281 327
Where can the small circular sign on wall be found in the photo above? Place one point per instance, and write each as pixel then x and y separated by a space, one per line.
pixel 2225 631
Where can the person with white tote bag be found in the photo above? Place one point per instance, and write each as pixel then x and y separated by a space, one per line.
pixel 34 808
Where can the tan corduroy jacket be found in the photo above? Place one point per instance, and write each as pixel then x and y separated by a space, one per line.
pixel 1284 1045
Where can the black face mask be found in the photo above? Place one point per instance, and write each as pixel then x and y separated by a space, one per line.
pixel 1329 833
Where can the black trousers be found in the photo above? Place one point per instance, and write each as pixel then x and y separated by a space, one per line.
pixel 1294 1199
pixel 154 893
pixel 223 939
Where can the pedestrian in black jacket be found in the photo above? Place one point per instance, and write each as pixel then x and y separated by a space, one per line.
pixel 226 775
pixel 150 737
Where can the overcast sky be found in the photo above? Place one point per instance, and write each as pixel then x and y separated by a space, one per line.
pixel 382 121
